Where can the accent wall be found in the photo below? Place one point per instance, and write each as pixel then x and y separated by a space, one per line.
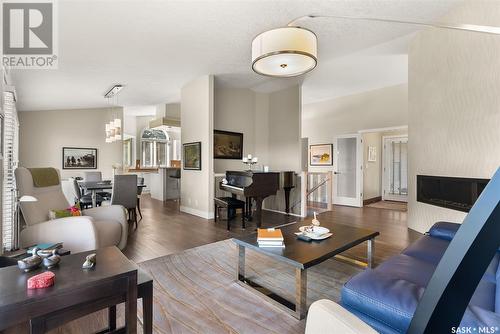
pixel 454 106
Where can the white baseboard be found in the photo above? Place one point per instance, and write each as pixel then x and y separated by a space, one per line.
pixel 195 212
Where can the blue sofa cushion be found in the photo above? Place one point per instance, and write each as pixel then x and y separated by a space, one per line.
pixel 408 268
pixel 476 317
pixel 432 249
pixel 428 249
pixel 484 296
pixel 388 296
pixel 390 293
pixel 444 230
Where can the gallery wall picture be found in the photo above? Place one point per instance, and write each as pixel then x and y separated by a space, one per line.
pixel 79 158
pixel 228 145
pixel 321 155
pixel 192 156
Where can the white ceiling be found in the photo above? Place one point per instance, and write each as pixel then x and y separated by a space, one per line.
pixel 155 47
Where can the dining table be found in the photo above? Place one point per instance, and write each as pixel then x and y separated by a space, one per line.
pixel 94 186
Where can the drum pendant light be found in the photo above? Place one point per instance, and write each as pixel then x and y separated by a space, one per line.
pixel 284 52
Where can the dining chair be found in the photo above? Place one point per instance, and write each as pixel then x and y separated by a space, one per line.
pixel 92 176
pixel 96 176
pixel 140 181
pixel 125 194
pixel 84 200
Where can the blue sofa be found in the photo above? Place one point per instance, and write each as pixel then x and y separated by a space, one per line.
pixel 386 297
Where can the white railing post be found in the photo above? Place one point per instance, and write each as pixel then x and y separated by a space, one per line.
pixel 303 194
pixel 329 191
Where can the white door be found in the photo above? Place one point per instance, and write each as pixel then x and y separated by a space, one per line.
pixel 348 161
pixel 395 171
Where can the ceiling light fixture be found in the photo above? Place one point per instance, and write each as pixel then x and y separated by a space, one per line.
pixel 113 129
pixel 284 52
pixel 113 91
pixel 292 51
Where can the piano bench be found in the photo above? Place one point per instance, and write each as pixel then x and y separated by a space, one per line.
pixel 229 203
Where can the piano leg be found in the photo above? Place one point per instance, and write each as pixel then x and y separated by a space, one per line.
pixel 287 199
pixel 248 201
pixel 258 211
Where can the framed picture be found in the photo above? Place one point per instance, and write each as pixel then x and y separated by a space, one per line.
pixel 372 153
pixel 192 156
pixel 321 155
pixel 79 158
pixel 228 145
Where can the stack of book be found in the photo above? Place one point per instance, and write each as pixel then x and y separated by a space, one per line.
pixel 270 237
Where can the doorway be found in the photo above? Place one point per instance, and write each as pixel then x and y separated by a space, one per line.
pixel 395 168
pixel 348 176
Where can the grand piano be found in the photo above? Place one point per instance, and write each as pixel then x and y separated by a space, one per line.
pixel 258 186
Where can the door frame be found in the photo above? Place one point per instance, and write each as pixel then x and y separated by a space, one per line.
pixel 358 201
pixel 384 176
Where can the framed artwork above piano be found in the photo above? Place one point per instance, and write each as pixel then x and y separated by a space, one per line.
pixel 228 145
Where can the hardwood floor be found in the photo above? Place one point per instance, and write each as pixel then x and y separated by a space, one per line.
pixel 165 230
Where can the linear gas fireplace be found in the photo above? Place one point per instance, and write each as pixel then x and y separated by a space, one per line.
pixel 457 193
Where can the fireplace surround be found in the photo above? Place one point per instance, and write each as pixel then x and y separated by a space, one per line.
pixel 457 193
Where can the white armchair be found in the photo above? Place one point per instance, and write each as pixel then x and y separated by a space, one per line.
pixel 328 317
pixel 96 228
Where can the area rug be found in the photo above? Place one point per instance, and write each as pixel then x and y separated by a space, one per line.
pixel 195 291
pixel 389 205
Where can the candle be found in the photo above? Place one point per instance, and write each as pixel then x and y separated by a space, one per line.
pixel 255 159
pixel 249 157
pixel 245 159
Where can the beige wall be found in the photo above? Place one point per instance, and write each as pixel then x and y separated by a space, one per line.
pixel 173 110
pixel 261 144
pixel 43 134
pixel 251 113
pixel 235 111
pixel 285 119
pixel 454 116
pixel 197 111
pixel 381 108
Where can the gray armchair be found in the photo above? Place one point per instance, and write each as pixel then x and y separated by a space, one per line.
pixel 96 228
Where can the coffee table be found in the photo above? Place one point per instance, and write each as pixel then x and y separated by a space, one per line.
pixel 303 255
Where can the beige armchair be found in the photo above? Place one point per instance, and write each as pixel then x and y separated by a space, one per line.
pixel 327 317
pixel 96 228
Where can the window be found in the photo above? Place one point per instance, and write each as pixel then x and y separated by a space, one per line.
pixel 154 147
pixel 10 160
pixel 127 152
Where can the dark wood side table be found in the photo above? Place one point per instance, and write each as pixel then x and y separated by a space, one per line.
pixel 76 292
pixel 144 292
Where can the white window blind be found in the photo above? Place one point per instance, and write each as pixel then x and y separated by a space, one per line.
pixel 10 161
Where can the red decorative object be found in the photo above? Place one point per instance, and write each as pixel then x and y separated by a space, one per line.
pixel 43 280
